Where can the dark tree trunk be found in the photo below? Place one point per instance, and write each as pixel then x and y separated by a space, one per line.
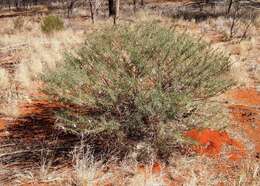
pixel 70 7
pixel 92 10
pixel 229 6
pixel 111 8
pixel 16 4
pixel 134 3
pixel 9 5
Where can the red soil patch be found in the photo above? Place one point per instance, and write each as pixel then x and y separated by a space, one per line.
pixel 247 113
pixel 210 143
pixel 248 96
pixel 2 124
pixel 249 120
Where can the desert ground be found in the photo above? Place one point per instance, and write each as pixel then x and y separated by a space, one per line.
pixel 220 147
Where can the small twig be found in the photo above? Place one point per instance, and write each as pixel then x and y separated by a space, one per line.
pixel 18 152
pixel 7 145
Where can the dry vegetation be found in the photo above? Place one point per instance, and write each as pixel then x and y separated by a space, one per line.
pixel 27 53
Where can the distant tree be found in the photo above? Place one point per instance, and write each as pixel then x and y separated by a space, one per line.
pixel 16 4
pixel 111 9
pixel 134 4
pixel 142 3
pixel 229 6
pixel 116 16
pixel 97 6
pixel 70 7
pixel 9 4
pixel 92 7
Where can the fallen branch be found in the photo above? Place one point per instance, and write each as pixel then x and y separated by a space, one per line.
pixel 25 13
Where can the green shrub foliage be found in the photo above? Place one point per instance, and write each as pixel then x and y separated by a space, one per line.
pixel 136 84
pixel 52 23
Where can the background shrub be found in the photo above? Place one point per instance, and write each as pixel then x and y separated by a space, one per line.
pixel 136 84
pixel 52 23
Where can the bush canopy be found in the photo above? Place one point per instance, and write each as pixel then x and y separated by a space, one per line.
pixel 136 84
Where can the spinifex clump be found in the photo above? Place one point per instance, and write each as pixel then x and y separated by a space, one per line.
pixel 136 84
pixel 52 23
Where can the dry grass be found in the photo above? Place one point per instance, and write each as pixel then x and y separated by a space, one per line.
pixel 36 53
pixel 4 79
pixel 187 171
pixel 41 175
pixel 8 105
pixel 87 171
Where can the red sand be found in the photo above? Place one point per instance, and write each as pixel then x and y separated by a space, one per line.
pixel 247 113
pixel 249 120
pixel 2 124
pixel 210 143
pixel 247 96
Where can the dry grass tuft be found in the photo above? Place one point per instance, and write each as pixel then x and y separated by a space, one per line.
pixel 23 76
pixel 4 79
pixel 87 171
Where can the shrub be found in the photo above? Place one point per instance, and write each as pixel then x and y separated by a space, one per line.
pixel 52 23
pixel 136 84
